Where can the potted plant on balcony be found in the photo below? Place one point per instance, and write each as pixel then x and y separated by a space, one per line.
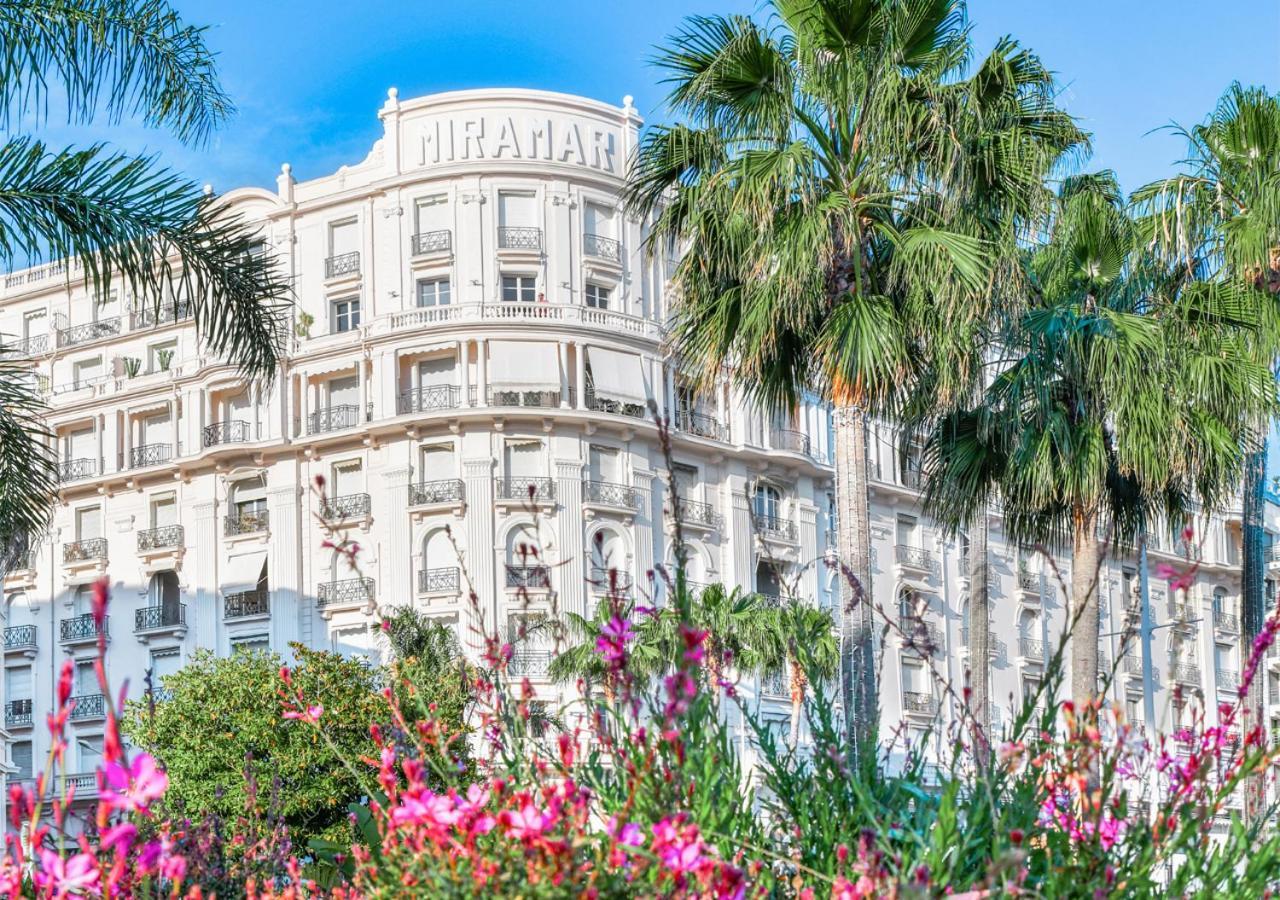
pixel 132 365
pixel 164 358
pixel 302 327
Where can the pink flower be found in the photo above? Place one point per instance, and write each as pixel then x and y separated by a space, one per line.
pixel 613 640
pixel 64 877
pixel 427 808
pixel 137 787
pixel 526 823
pixel 119 837
pixel 680 848
pixel 310 714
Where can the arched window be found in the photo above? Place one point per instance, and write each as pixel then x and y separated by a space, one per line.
pixel 438 551
pixel 908 605
pixel 768 584
pixel 1029 625
pixel 164 593
pixel 525 566
pixel 765 502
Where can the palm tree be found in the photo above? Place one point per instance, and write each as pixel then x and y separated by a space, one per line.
pixel 113 218
pixel 1119 396
pixel 833 186
pixel 581 660
pixel 1219 220
pixel 737 626
pixel 801 639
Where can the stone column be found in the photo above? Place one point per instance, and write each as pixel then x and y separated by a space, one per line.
pixel 807 588
pixel 741 538
pixel 398 571
pixel 562 354
pixel 580 375
pixel 648 530
pixel 207 614
pixel 291 604
pixel 464 351
pixel 573 552
pixel 482 378
pixel 479 558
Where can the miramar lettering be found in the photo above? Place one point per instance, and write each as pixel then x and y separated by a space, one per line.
pixel 568 141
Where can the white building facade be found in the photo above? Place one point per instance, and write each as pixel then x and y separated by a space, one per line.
pixel 477 317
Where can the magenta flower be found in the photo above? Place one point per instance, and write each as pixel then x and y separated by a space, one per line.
pixel 135 788
pixel 680 849
pixel 526 823
pixel 60 878
pixel 120 837
pixel 310 714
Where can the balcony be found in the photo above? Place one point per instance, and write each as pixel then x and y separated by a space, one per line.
pixel 149 316
pixel 1133 665
pixel 233 431
pixel 615 407
pixel 1228 679
pixel 18 714
pixel 525 489
pixel 700 515
pixel 351 506
pixel 75 469
pixel 36 345
pixel 342 264
pixel 529 578
pixel 615 496
pixel 775 528
pixel 519 238
pixel 919 703
pixel 1029 582
pixel 1185 674
pixel 701 425
pixel 1226 621
pixel 1031 649
pixel 150 455
pixel 20 639
pixel 527 662
pixel 432 242
pixel 920 637
pixel 527 399
pixel 429 398
pixel 335 418
pixel 449 491
pixel 246 604
pixel 82 629
pixel 88 706
pixel 792 441
pixel 348 592
pixel 89 331
pixel 995 647
pixel 246 522
pixel 446 580
pixel 917 558
pixel 156 619
pixel 89 550
pixel 161 540
pixel 602 247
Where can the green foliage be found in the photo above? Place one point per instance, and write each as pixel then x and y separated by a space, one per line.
pixel 222 716
pixel 430 664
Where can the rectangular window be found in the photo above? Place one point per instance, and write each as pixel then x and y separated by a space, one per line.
pixel 249 496
pixel 344 237
pixel 524 459
pixel 519 289
pixel 164 510
pixel 17 683
pixel 436 461
pixel 344 391
pixel 517 210
pixel 597 296
pixel 345 315
pixel 250 643
pixel 433 292
pixel 352 641
pixel 686 480
pixel 347 478
pixel 80 444
pixel 907 533
pixel 431 213
pixel 598 220
pixel 35 324
pixel 88 523
pixel 168 350
pixel 86 371
pixel 442 370
pixel 604 465
pixel 86 679
pixel 22 760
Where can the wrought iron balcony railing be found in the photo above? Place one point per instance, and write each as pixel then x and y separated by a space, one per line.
pixel 351 506
pixel 616 407
pixel 512 237
pixel 448 490
pixel 148 316
pixel 75 469
pixel 694 512
pixel 82 628
pixel 775 527
pixel 35 345
pixel 534 577
pixel 342 264
pixel 1226 621
pixel 432 242
pixel 527 399
pixel 1030 648
pixel 610 494
pixel 246 522
pixel 18 713
pixel 232 431
pixel 166 537
pixel 349 590
pixel 920 637
pixel 915 557
pixel 19 637
pixel 1132 664
pixel 149 455
pixel 81 551
pixel 88 706
pixel 428 398
pixel 445 580
pixel 701 425
pixel 1228 679
pixel 335 418
pixel 89 331
pixel 917 702
pixel 525 488
pixel 529 662
pixel 246 603
pixel 795 441
pixel 1029 581
pixel 158 618
pixel 1184 673
pixel 602 247
pixel 608 579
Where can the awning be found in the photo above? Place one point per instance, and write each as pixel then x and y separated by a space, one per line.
pixel 524 364
pixel 617 376
pixel 243 573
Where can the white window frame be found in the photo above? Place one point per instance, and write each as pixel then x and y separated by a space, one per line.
pixel 344 315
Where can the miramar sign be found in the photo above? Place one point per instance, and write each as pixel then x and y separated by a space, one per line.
pixel 571 140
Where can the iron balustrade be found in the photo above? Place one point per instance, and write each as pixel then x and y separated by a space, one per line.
pixel 82 628
pixel 795 441
pixel 79 551
pixel 610 494
pixel 18 713
pixel 694 512
pixel 995 646
pixel 915 557
pixel 342 264
pixel 35 345
pixel 246 523
pixel 149 455
pixel 350 590
pixel 439 581
pixel 335 418
pixel 449 490
pixel 17 637
pixel 701 425
pixel 1184 673
pixel 166 537
pixel 772 601
pixel 608 579
pixel 529 662
pixel 528 399
pixel 350 506
pixel 602 247
pixel 246 603
pixel 88 706
pixel 920 637
pixel 75 469
pixel 233 431
pixel 775 527
pixel 1029 581
pixel 917 702
pixel 526 488
pixel 89 331
pixel 1228 679
pixel 774 682
pixel 1031 648
pixel 519 238
pixel 535 577
pixel 432 242
pixel 1132 664
pixel 616 407
pixel 428 398
pixel 155 618
pixel 149 316
pixel 1225 621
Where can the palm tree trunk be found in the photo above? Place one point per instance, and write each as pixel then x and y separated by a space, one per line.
pixel 979 627
pixel 797 700
pixel 856 616
pixel 1253 606
pixel 1084 610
